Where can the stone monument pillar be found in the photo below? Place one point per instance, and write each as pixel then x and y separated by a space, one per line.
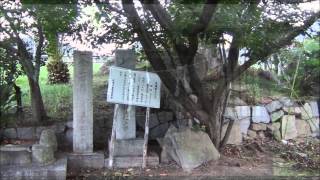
pixel 82 102
pixel 126 115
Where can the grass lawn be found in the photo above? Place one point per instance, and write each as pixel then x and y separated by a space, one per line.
pixel 58 97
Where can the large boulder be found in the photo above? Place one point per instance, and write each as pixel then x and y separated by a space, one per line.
pixel 260 115
pixel 188 148
pixel 48 138
pixel 288 127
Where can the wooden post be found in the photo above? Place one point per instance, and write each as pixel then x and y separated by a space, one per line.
pixel 113 135
pixel 146 134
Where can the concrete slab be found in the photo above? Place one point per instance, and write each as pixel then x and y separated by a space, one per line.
pixel 54 171
pixel 133 161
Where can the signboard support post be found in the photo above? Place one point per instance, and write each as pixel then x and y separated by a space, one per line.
pixel 146 136
pixel 113 136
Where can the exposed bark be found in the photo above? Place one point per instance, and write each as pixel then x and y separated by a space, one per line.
pixel 37 106
pixel 18 97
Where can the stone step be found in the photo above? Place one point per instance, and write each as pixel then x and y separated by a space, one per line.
pixel 132 161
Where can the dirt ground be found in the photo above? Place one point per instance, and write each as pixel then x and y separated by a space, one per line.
pixel 255 159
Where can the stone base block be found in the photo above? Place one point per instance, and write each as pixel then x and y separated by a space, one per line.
pixel 128 147
pixel 15 155
pixel 92 160
pixel 54 171
pixel 132 161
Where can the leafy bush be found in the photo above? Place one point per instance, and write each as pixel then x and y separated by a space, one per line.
pixel 58 72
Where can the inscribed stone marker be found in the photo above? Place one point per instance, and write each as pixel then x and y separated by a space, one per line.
pixel 82 103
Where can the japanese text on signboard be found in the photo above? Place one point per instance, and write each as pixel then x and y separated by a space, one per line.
pixel 134 87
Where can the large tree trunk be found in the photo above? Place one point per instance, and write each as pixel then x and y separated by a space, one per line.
pixel 38 111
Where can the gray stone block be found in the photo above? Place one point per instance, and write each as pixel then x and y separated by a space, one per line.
pixel 165 116
pixel 159 131
pixel 286 101
pixel 90 160
pixel 260 115
pixel 10 133
pixel 15 155
pixel 273 106
pixel 48 138
pixel 26 133
pixel 128 147
pixel 42 154
pixel 276 115
pixel 55 171
pixel 288 127
pixel 133 161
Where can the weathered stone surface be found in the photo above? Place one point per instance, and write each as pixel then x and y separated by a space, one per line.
pixel 48 138
pixel 243 112
pixel 15 155
pixel 306 112
pixel 159 131
pixel 252 134
pixel 235 133
pixel 258 126
pixel 128 147
pixel 274 126
pixel 26 133
pixel 314 108
pixel 189 155
pixel 55 171
pixel 153 120
pixel 261 134
pixel 90 160
pixel 236 101
pixel 288 127
pixel 303 128
pixel 10 133
pixel 230 113
pixel 286 101
pixel 292 110
pixel 273 106
pixel 277 135
pixel 314 125
pixel 42 154
pixel 82 103
pixel 133 161
pixel 277 115
pixel 126 115
pixel 165 116
pixel 39 131
pixel 244 125
pixel 260 115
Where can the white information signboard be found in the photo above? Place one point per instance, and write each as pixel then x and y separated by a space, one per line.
pixel 131 87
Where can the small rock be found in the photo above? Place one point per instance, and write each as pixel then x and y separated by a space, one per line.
pixel 286 101
pixel 274 126
pixel 258 126
pixel 276 115
pixel 252 134
pixel 306 112
pixel 42 154
pixel 261 134
pixel 273 106
pixel 292 110
pixel 48 138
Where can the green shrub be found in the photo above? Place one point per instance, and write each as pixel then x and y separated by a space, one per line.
pixel 58 72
